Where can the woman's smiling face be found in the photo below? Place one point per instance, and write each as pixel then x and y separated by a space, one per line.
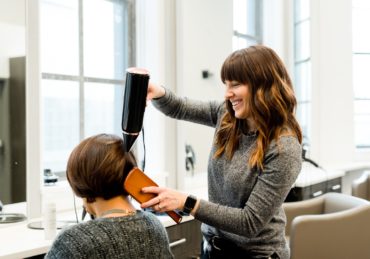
pixel 237 94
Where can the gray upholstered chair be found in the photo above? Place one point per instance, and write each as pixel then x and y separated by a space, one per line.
pixel 334 225
pixel 361 186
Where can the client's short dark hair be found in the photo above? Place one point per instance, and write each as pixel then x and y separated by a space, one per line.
pixel 98 166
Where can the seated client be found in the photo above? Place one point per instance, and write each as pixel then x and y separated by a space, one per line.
pixel 96 170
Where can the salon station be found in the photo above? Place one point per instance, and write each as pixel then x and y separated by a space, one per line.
pixel 62 79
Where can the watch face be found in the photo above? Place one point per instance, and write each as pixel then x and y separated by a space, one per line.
pixel 189 203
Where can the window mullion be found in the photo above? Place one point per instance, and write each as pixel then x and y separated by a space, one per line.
pixel 131 32
pixel 247 36
pixel 81 69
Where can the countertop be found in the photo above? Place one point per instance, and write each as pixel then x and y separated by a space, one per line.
pixel 312 175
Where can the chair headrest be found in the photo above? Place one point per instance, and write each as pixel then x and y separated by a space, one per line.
pixel 335 202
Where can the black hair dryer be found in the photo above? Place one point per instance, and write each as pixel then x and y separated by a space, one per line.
pixel 134 102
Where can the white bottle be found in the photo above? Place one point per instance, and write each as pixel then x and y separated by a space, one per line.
pixel 50 222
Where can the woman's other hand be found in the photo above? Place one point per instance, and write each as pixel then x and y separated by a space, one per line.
pixel 155 91
pixel 166 199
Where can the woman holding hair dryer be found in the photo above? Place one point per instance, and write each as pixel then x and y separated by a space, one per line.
pixel 254 160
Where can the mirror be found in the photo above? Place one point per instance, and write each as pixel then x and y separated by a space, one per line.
pixel 12 101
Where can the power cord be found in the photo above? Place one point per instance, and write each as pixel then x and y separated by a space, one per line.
pixel 74 204
pixel 143 162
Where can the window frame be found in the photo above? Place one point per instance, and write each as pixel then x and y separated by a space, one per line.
pixel 307 136
pixel 257 23
pixel 81 78
pixel 360 147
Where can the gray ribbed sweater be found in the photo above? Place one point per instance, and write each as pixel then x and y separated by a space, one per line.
pixel 244 206
pixel 138 236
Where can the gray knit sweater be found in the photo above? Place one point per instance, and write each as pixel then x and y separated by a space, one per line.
pixel 245 205
pixel 138 236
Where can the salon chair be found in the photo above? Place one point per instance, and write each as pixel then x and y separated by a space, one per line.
pixel 334 225
pixel 361 186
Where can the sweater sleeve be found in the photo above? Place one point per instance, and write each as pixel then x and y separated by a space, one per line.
pixel 281 168
pixel 205 113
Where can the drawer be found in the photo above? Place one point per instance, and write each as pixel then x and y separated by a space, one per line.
pixel 185 239
pixel 317 190
pixel 308 192
pixel 334 185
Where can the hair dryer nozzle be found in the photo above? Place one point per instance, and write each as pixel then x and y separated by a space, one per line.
pixel 134 102
pixel 129 140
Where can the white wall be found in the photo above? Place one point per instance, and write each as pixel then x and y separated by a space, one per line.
pixel 276 27
pixel 332 95
pixel 12 31
pixel 156 51
pixel 13 12
pixel 204 40
pixel 176 40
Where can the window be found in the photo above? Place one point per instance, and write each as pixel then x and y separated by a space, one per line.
pixel 247 23
pixel 361 64
pixel 86 47
pixel 302 65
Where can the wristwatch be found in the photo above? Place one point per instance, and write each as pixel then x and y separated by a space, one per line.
pixel 189 204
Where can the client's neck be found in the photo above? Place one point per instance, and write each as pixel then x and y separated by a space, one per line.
pixel 118 206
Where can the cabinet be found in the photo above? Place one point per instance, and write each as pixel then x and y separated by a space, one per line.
pixel 13 133
pixel 315 190
pixel 17 120
pixel 185 239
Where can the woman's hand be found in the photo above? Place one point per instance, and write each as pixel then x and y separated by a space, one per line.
pixel 166 199
pixel 155 91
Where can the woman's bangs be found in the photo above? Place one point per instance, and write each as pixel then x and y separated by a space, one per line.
pixel 233 69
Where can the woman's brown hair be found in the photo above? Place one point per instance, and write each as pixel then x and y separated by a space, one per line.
pixel 98 166
pixel 271 102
